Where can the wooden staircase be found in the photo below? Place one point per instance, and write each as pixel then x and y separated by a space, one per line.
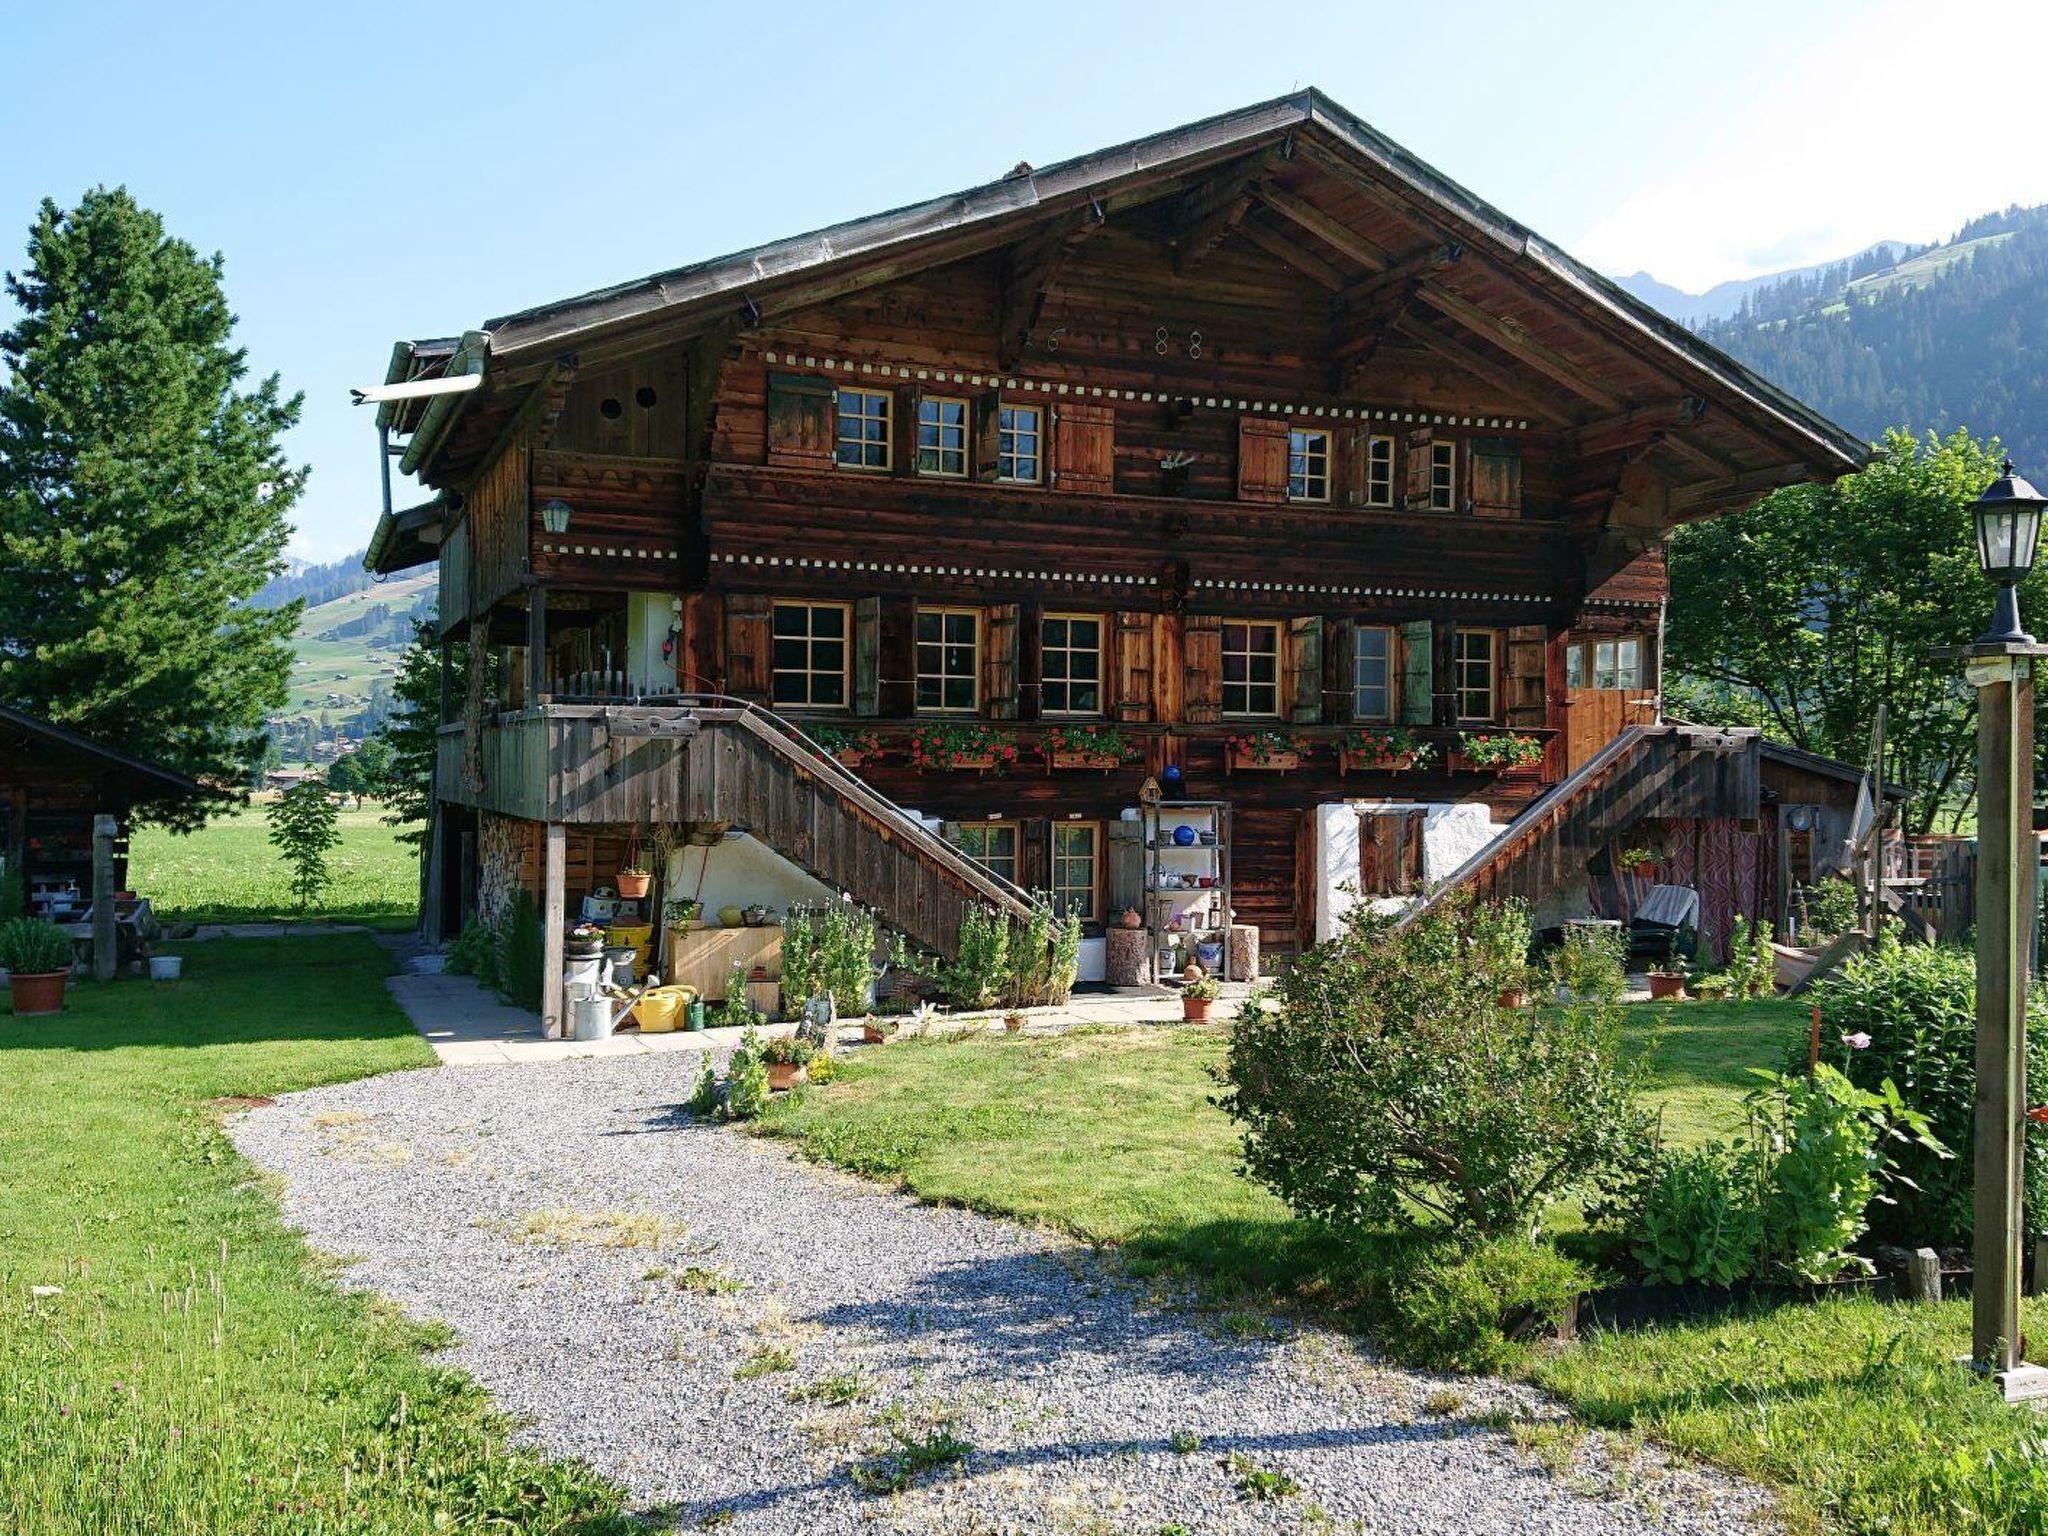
pixel 748 768
pixel 1648 770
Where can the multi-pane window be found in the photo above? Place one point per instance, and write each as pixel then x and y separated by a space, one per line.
pixel 948 660
pixel 941 436
pixel 1074 868
pixel 863 428
pixel 991 844
pixel 1474 671
pixel 1575 666
pixel 809 669
pixel 1372 689
pixel 1308 465
pixel 1614 663
pixel 1071 664
pixel 1020 443
pixel 1379 472
pixel 1251 669
pixel 1443 476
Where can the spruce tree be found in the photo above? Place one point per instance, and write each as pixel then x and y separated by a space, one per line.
pixel 144 496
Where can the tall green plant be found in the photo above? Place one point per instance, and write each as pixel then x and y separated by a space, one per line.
pixel 981 964
pixel 302 829
pixel 521 955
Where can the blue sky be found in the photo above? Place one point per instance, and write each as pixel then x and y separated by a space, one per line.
pixel 373 172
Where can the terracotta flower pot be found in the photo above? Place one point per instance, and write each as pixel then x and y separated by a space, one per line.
pixel 633 887
pixel 1513 997
pixel 785 1075
pixel 872 1033
pixel 1667 984
pixel 1013 1022
pixel 37 992
pixel 1644 871
pixel 1195 1009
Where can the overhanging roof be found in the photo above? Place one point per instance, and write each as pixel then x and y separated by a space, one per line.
pixel 149 781
pixel 405 539
pixel 696 297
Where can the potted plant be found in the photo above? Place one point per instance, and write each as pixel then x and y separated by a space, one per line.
pixel 633 876
pixel 1273 751
pixel 1640 859
pixel 876 1030
pixel 1497 751
pixel 960 746
pixel 682 911
pixel 1197 997
pixel 37 956
pixel 1394 749
pixel 1101 747
pixel 1711 989
pixel 850 747
pixel 1013 1021
pixel 1667 986
pixel 788 1060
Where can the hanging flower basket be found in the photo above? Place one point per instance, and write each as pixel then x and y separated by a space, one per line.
pixel 1267 751
pixel 1102 748
pixel 1395 750
pixel 960 747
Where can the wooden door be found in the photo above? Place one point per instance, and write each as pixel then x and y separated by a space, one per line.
pixel 1595 716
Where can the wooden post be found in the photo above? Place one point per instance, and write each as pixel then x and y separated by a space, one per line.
pixel 104 830
pixel 554 897
pixel 536 644
pixel 1923 1275
pixel 2005 760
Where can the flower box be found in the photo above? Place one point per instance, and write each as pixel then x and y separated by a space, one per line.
pixel 850 758
pixel 1105 762
pixel 1267 762
pixel 976 760
pixel 1353 760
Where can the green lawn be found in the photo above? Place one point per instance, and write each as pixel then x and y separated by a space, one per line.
pixel 1852 1410
pixel 227 872
pixel 172 1359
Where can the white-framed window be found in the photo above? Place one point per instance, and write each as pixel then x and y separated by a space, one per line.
pixel 1575 666
pixel 1616 663
pixel 1070 650
pixel 862 431
pixel 1372 672
pixel 948 660
pixel 991 844
pixel 1308 465
pixel 1251 669
pixel 1076 868
pixel 1443 477
pixel 1379 471
pixel 1020 443
pixel 810 654
pixel 1475 668
pixel 941 436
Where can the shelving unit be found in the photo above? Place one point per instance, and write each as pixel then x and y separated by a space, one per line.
pixel 1173 875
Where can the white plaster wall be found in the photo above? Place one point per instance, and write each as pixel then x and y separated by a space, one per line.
pixel 1451 834
pixel 741 871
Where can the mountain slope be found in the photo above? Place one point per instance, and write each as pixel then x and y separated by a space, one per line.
pixel 1724 300
pixel 346 653
pixel 1944 336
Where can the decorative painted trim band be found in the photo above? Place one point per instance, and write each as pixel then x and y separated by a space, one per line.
pixel 610 552
pixel 1393 415
pixel 889 567
pixel 1319 589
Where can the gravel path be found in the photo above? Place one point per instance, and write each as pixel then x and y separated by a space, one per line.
pixel 769 1325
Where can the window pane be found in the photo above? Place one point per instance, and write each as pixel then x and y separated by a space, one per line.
pixel 1575 666
pixel 1628 664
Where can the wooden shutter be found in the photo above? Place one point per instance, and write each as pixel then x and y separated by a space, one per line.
pixel 1131 666
pixel 1390 852
pixel 1305 662
pixel 1261 458
pixel 867 655
pixel 999 661
pixel 1496 478
pixel 1083 447
pixel 896 663
pixel 1340 670
pixel 988 441
pixel 1357 465
pixel 1444 637
pixel 801 424
pixel 1523 683
pixel 903 430
pixel 1202 668
pixel 748 648
pixel 1034 853
pixel 1418 673
pixel 1126 862
pixel 1417 465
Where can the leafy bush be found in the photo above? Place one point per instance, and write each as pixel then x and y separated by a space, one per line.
pixel 1044 953
pixel 1908 1013
pixel 302 828
pixel 475 953
pixel 1814 1150
pixel 1699 1219
pixel 1591 963
pixel 33 947
pixel 829 950
pixel 518 951
pixel 1830 907
pixel 1752 963
pixel 743 1092
pixel 735 1010
pixel 1385 1084
pixel 789 1051
pixel 975 978
pixel 1467 1309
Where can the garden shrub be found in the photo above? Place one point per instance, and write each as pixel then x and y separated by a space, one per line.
pixel 975 978
pixel 474 953
pixel 1830 907
pixel 828 950
pixel 1752 963
pixel 1382 1083
pixel 1021 965
pixel 1908 1013
pixel 1590 964
pixel 1698 1219
pixel 1468 1309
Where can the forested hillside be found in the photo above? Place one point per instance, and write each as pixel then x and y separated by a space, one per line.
pixel 1944 336
pixel 317 584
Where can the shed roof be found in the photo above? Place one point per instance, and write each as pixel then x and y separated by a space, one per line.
pixel 148 780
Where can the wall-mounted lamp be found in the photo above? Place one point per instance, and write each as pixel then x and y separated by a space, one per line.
pixel 554 516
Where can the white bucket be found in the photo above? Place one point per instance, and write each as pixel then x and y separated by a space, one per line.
pixel 590 1018
pixel 166 967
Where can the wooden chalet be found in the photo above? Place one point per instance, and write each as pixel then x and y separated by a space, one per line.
pixel 1258 441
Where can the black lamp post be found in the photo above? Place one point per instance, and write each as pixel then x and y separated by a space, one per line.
pixel 2000 665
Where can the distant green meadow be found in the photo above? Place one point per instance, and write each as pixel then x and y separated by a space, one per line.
pixel 228 873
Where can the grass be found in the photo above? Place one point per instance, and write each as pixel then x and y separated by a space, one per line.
pixel 1853 1410
pixel 227 872
pixel 172 1357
